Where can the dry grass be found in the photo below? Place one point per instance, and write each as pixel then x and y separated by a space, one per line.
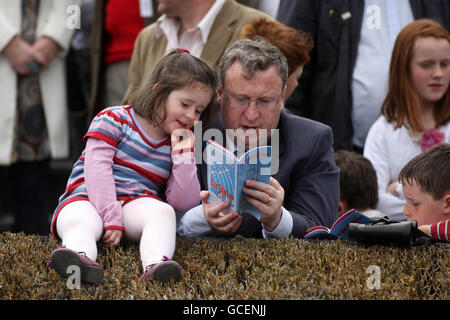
pixel 235 269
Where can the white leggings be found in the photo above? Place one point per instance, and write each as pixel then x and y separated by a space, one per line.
pixel 146 220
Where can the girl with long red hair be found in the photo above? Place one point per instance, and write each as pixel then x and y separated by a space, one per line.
pixel 416 111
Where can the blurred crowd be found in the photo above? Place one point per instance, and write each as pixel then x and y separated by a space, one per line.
pixel 56 78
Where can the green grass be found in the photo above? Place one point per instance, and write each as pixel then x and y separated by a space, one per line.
pixel 235 269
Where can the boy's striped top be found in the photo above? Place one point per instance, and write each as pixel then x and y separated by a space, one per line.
pixel 140 168
pixel 441 230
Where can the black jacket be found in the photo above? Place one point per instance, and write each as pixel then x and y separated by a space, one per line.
pixel 324 91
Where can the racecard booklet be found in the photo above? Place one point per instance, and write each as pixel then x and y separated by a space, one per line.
pixel 340 229
pixel 226 175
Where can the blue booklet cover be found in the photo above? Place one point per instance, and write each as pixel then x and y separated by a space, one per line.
pixel 226 175
pixel 339 229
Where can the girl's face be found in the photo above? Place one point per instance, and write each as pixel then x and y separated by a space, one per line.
pixel 430 68
pixel 184 106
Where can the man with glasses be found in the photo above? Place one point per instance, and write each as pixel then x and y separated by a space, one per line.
pixel 304 192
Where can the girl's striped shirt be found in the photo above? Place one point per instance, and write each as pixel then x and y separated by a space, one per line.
pixel 140 167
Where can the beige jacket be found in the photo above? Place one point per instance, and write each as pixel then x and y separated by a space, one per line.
pixel 149 49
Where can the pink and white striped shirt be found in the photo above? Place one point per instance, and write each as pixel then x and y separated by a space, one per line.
pixel 122 163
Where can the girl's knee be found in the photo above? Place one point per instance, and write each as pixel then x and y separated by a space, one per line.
pixel 169 210
pixel 163 213
pixel 78 214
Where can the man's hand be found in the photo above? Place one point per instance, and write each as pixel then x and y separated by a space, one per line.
pixel 227 223
pixel 112 237
pixel 18 53
pixel 44 50
pixel 267 198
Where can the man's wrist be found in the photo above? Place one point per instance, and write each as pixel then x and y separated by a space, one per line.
pixel 275 223
pixel 284 227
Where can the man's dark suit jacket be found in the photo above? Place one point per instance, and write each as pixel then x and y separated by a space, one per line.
pixel 307 172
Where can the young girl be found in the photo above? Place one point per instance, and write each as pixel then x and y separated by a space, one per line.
pixel 132 153
pixel 416 111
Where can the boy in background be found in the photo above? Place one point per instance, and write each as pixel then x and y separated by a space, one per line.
pixel 358 184
pixel 426 186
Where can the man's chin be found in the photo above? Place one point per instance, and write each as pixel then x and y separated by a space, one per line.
pixel 247 138
pixel 248 142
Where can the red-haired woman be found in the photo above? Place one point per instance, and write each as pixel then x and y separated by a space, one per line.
pixel 416 111
pixel 294 44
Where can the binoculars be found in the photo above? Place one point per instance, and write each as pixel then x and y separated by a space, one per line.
pixel 384 231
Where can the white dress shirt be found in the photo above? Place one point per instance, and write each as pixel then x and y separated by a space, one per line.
pixel 193 39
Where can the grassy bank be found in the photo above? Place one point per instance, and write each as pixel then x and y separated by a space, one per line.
pixel 236 269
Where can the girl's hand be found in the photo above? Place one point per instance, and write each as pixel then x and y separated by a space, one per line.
pixel 392 188
pixel 182 139
pixel 112 237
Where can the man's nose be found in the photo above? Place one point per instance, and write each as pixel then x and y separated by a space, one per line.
pixel 251 112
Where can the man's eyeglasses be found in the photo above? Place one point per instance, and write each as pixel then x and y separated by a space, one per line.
pixel 244 102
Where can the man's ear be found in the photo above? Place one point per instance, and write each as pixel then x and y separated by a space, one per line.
pixel 341 208
pixel 283 97
pixel 220 95
pixel 447 203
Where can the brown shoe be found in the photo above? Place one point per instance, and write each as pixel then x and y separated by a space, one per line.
pixel 164 271
pixel 62 258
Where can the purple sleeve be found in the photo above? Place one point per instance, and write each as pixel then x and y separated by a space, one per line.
pixel 100 183
pixel 183 187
